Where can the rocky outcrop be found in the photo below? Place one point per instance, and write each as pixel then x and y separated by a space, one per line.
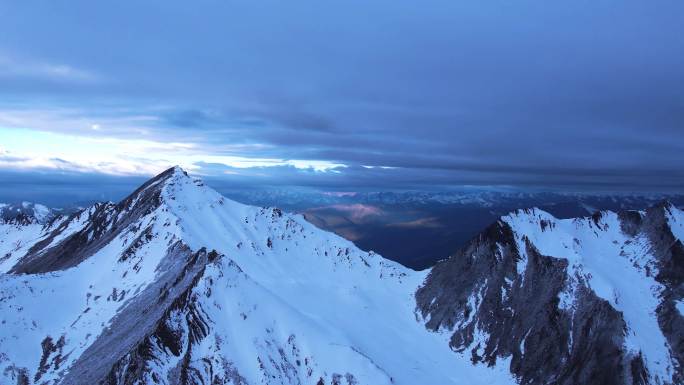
pixel 669 254
pixel 101 224
pixel 167 353
pixel 502 298
pixel 140 320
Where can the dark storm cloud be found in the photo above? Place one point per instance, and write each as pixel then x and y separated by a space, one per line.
pixel 357 178
pixel 575 95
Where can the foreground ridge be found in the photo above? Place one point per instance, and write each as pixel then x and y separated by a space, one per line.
pixel 177 284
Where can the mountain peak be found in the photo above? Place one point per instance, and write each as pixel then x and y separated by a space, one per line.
pixel 25 213
pixel 153 187
pixel 178 168
pixel 98 225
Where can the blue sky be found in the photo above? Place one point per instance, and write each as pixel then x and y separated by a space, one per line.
pixel 346 95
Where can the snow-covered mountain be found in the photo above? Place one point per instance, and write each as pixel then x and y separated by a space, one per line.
pixel 25 212
pixel 590 300
pixel 178 285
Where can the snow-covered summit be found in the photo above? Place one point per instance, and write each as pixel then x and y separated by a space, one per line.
pixel 583 300
pixel 176 283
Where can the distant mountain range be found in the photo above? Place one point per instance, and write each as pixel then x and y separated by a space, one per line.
pixel 176 284
pixel 419 228
pixel 478 197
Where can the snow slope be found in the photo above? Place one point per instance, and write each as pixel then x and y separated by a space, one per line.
pixel 15 239
pixel 617 267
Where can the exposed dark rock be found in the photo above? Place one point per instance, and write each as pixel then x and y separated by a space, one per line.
pixel 18 375
pixel 106 221
pixel 669 254
pixel 183 325
pixel 20 219
pixel 497 313
pixel 139 241
pixel 49 358
pixel 121 354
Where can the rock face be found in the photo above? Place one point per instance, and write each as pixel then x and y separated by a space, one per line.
pixel 585 301
pixel 102 224
pixel 178 285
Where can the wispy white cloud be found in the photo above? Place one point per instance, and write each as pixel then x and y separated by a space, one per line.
pixel 124 141
pixel 14 66
pixel 70 120
pixel 32 149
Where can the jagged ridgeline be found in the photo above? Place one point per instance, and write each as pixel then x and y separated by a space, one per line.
pixel 178 285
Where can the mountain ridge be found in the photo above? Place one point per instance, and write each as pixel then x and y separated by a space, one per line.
pixel 269 264
pixel 530 273
pixel 176 284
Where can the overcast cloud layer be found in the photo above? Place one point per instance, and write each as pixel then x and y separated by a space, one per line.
pixel 345 95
